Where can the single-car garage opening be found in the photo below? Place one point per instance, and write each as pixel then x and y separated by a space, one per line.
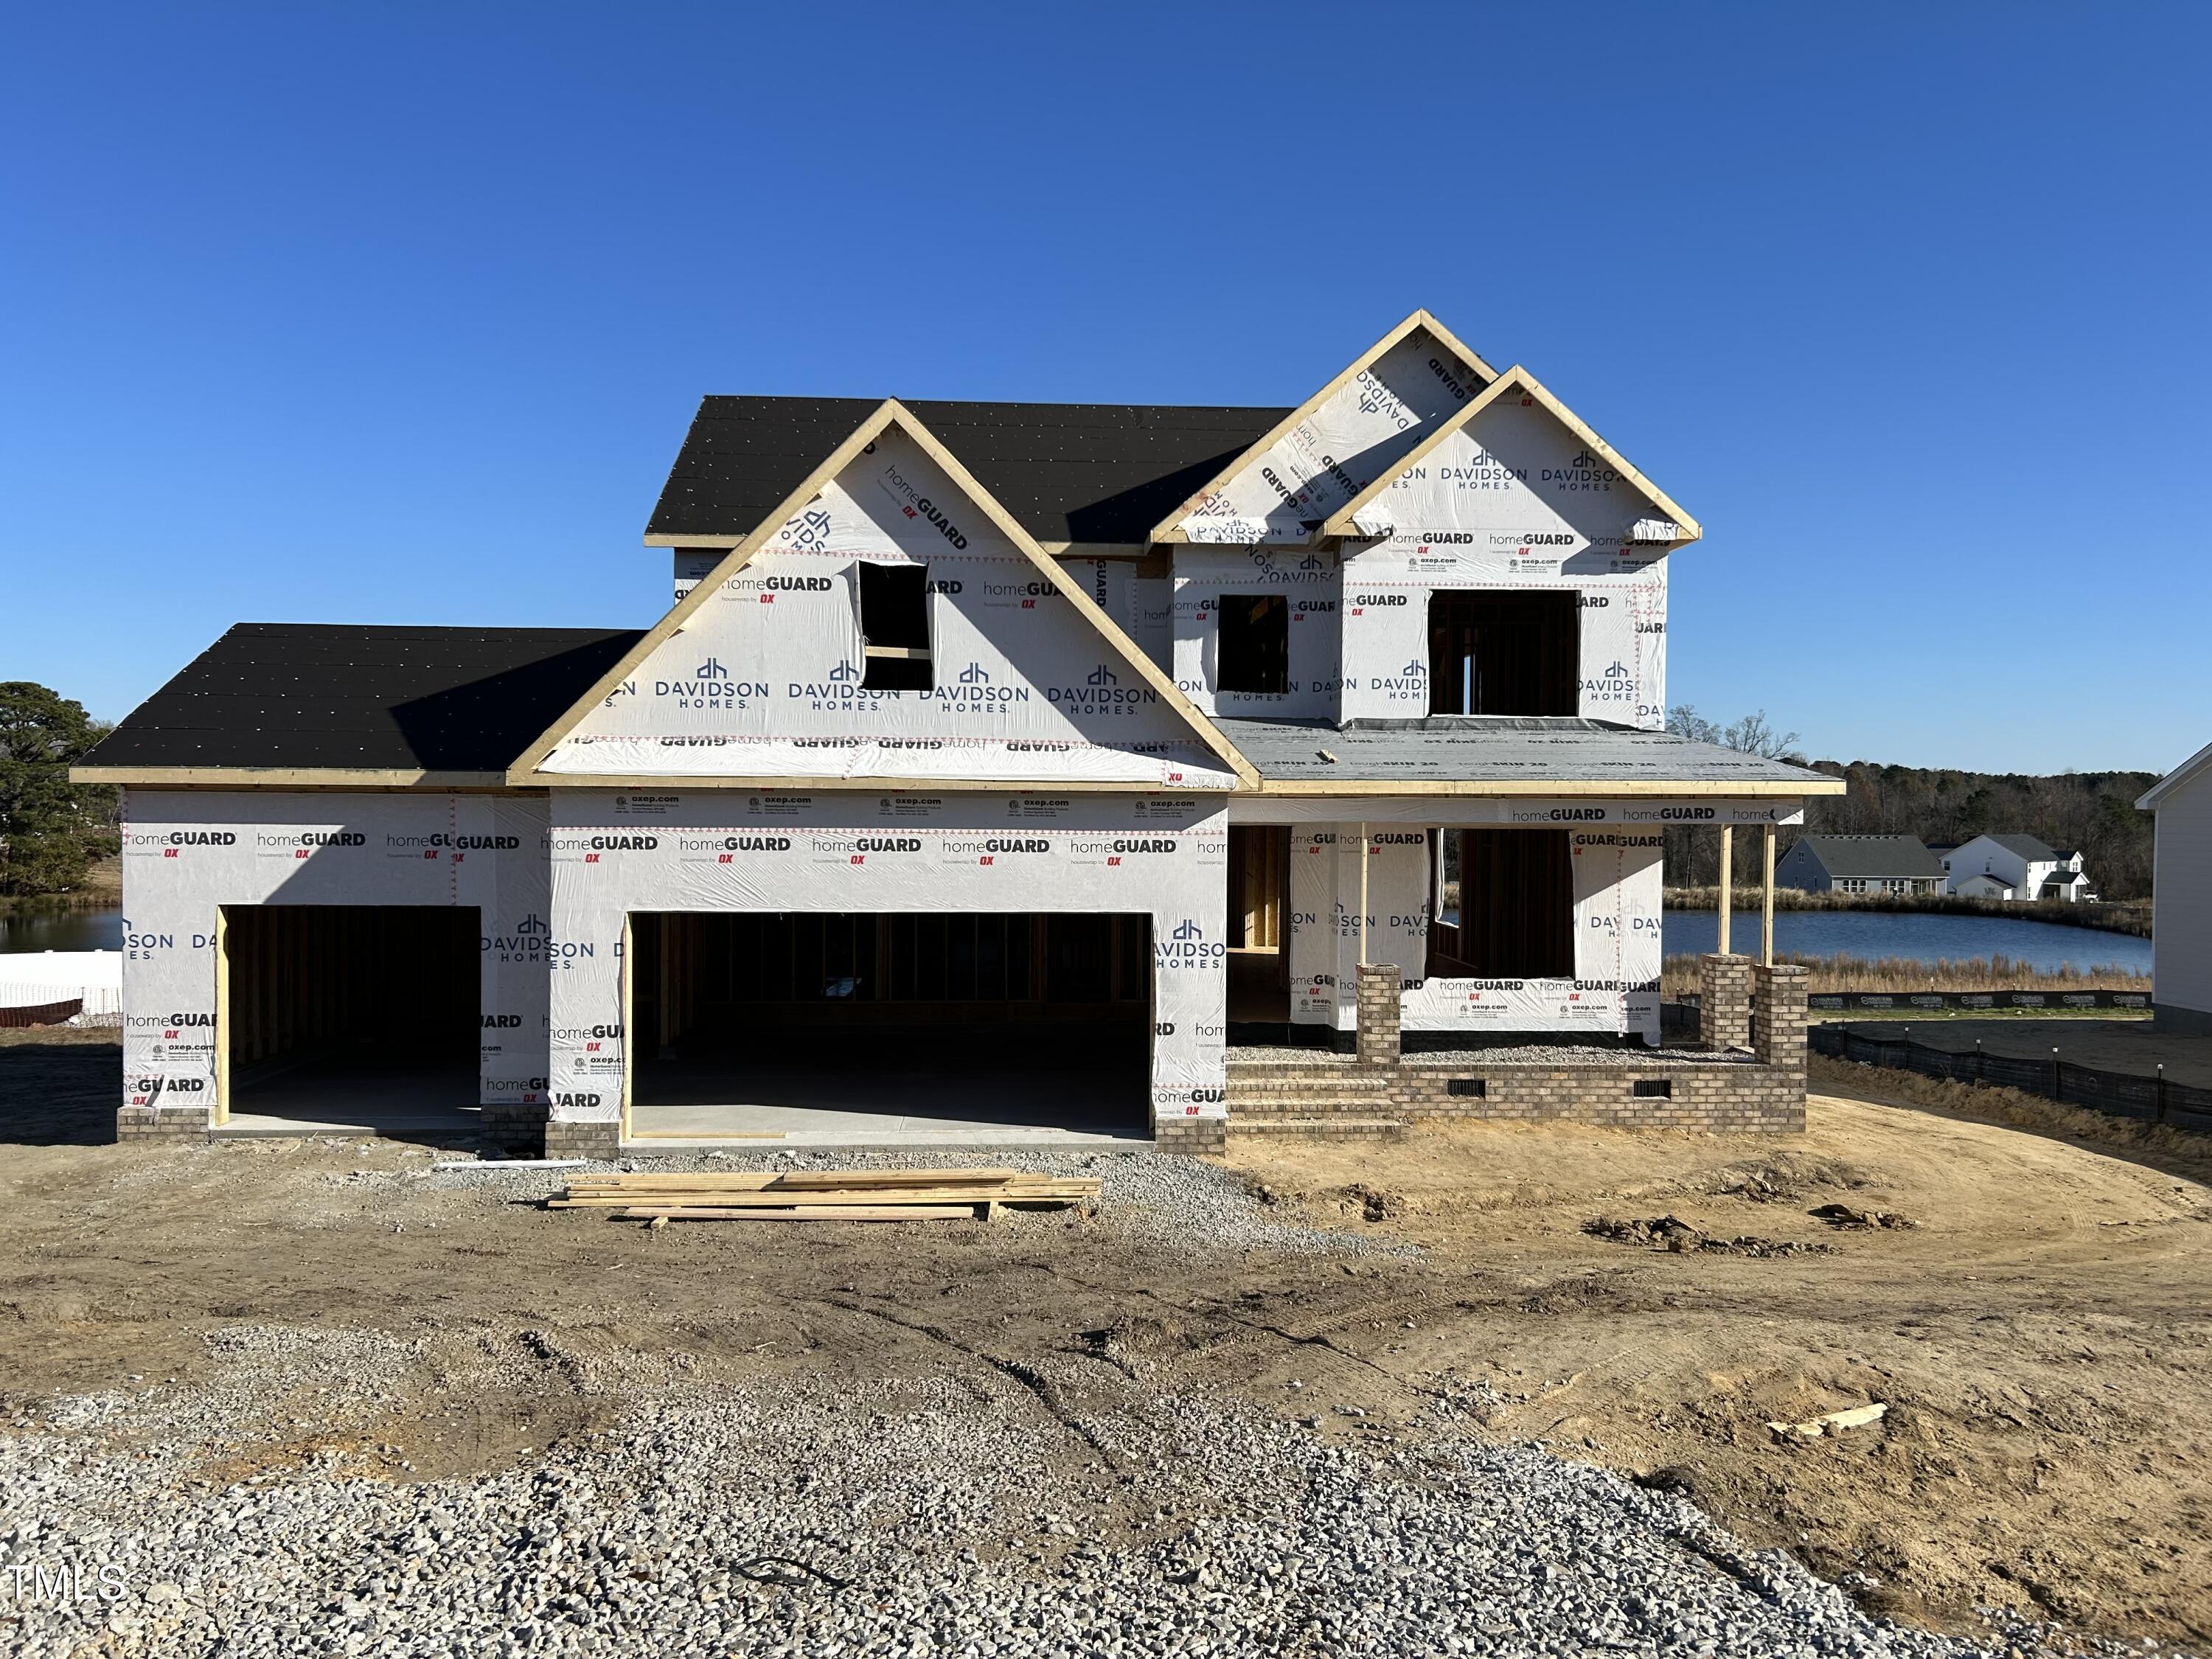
pixel 358 1016
pixel 890 1027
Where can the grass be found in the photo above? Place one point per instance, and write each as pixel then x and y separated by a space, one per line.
pixel 1904 975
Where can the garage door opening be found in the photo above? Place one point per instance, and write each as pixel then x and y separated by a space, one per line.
pixel 895 1028
pixel 359 1017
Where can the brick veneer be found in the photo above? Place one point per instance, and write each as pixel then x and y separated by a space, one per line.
pixel 1779 1022
pixel 1724 1002
pixel 597 1140
pixel 518 1130
pixel 1375 995
pixel 1190 1134
pixel 1732 1091
pixel 192 1123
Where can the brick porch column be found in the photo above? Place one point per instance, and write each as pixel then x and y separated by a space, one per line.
pixel 1376 1003
pixel 1778 995
pixel 1724 1001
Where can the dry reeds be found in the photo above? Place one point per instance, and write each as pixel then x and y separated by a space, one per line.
pixel 1678 974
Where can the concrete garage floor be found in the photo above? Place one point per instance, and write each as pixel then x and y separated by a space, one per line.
pixel 1053 1087
pixel 432 1103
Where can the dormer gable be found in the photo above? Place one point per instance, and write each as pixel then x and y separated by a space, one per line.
pixel 1517 463
pixel 1330 448
pixel 889 622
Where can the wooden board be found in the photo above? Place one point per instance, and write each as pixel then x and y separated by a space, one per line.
pixel 732 1199
pixel 900 1177
pixel 806 1213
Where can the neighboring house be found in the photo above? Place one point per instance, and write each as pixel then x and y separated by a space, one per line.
pixel 1860 864
pixel 2016 867
pixel 2181 898
pixel 993 757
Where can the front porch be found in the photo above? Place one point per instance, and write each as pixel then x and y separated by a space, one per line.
pixel 1744 1074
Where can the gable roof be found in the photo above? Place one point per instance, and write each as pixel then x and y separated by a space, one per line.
pixel 2175 779
pixel 1097 474
pixel 365 705
pixel 2023 847
pixel 888 413
pixel 1169 528
pixel 1878 857
pixel 1515 379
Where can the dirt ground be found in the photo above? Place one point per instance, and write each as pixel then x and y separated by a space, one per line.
pixel 2041 1334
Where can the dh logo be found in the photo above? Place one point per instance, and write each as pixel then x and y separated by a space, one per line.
pixel 1414 670
pixel 1617 671
pixel 1103 676
pixel 973 674
pixel 1311 562
pixel 711 670
pixel 532 923
pixel 1189 930
pixel 844 671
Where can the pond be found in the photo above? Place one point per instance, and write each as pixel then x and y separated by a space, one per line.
pixel 60 930
pixel 2045 946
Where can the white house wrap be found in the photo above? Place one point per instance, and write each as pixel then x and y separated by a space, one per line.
pixel 963 679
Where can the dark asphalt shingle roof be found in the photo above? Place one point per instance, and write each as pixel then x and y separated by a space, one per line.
pixel 1877 857
pixel 2025 847
pixel 309 695
pixel 1067 472
pixel 1477 749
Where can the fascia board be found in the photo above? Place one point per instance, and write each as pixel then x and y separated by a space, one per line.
pixel 2174 780
pixel 888 413
pixel 735 560
pixel 1167 530
pixel 1340 523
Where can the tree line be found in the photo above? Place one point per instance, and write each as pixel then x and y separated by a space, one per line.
pixel 52 830
pixel 2092 812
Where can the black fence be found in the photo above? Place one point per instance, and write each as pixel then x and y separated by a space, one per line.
pixel 2121 1094
pixel 1879 1001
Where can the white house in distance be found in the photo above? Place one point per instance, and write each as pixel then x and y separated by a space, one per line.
pixel 2181 898
pixel 1860 864
pixel 2016 867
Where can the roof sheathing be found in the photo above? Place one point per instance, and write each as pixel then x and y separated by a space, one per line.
pixel 1501 756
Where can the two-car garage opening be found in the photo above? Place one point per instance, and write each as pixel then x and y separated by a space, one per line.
pixel 889 1023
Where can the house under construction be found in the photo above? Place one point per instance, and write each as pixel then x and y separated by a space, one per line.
pixel 994 771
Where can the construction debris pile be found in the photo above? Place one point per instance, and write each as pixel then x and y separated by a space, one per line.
pixel 824 1195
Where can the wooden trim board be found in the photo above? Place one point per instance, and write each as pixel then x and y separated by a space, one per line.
pixel 1340 523
pixel 286 777
pixel 890 413
pixel 1169 528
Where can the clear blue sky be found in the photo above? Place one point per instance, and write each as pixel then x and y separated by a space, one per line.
pixel 398 313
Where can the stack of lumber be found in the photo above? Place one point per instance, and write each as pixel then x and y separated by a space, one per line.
pixel 822 1194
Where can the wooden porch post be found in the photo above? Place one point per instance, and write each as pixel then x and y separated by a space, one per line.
pixel 1728 865
pixel 1766 899
pixel 1363 895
